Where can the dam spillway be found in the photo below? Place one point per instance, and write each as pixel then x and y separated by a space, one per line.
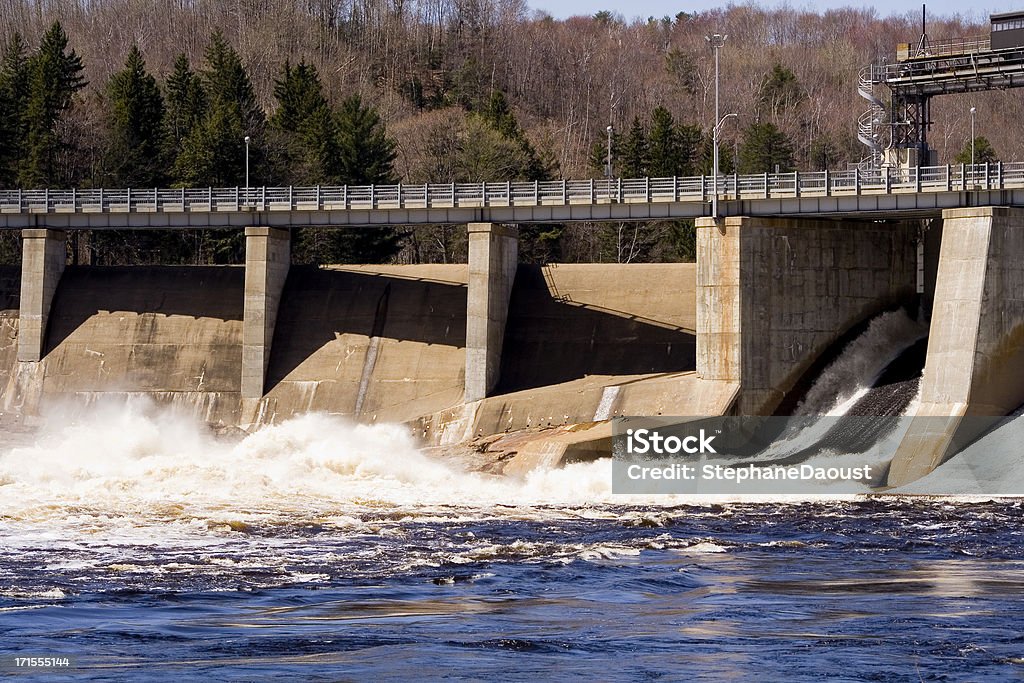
pixel 492 346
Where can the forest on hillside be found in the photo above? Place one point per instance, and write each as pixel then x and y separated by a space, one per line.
pixel 106 93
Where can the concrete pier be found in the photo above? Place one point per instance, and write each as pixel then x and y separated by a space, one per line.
pixel 44 255
pixel 493 257
pixel 267 260
pixel 773 294
pixel 976 343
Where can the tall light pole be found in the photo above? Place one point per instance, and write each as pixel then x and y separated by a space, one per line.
pixel 247 170
pixel 716 41
pixel 972 135
pixel 608 160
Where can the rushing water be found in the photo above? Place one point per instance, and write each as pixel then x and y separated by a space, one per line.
pixel 142 547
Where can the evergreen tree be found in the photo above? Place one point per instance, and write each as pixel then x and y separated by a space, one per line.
pixel 136 123
pixel 664 157
pixel 14 89
pixel 500 116
pixel 185 107
pixel 367 154
pixel 633 153
pixel 780 91
pixel 983 152
pixel 55 75
pixel 308 126
pixel 764 148
pixel 213 153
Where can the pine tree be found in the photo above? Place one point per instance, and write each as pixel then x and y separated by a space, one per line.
pixel 665 153
pixel 186 107
pixel 983 152
pixel 308 126
pixel 213 153
pixel 764 149
pixel 55 75
pixel 136 123
pixel 14 89
pixel 633 152
pixel 366 153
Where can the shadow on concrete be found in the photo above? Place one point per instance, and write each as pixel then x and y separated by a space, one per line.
pixel 549 339
pixel 10 288
pixel 318 305
pixel 196 291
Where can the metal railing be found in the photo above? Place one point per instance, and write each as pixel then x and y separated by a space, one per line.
pixel 697 189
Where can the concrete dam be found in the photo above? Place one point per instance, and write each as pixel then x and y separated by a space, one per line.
pixel 494 347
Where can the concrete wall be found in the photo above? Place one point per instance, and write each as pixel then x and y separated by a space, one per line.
pixel 493 257
pixel 569 321
pixel 268 257
pixel 374 342
pixel 975 363
pixel 10 287
pixel 773 294
pixel 173 333
pixel 44 255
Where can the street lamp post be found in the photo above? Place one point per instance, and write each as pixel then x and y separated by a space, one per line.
pixel 716 41
pixel 608 159
pixel 973 109
pixel 247 170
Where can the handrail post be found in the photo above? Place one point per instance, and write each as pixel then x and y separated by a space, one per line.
pixel 766 185
pixel 102 207
pixel 736 185
pixel 74 200
pixel 647 188
pixel 373 198
pixel 291 198
pixel 828 188
pixel 618 183
pixel 182 198
pixel 209 197
pixel 703 188
pixel 591 190
pixel 796 184
pixel 888 180
pixel 344 197
pixel 949 180
pixel 508 193
pixel 988 183
pixel 318 198
pixel 483 193
pixel 21 202
pixel 129 200
pixel 536 193
pixel 46 200
pixel 563 191
pixel 856 181
pixel 399 195
pixel 675 188
pixel 999 175
pixel 963 177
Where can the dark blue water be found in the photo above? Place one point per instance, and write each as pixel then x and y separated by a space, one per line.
pixel 873 590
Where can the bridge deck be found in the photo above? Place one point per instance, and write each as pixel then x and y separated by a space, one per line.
pixel 888 193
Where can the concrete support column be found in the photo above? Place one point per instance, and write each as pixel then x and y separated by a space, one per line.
pixel 44 255
pixel 975 362
pixel 493 257
pixel 773 294
pixel 267 259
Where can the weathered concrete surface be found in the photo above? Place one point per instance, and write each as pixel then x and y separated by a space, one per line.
pixel 267 260
pixel 173 334
pixel 568 321
pixel 10 287
pixel 592 399
pixel 975 363
pixel 773 294
pixel 493 257
pixel 377 343
pixel 44 255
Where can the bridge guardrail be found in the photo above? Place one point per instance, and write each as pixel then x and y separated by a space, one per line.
pixel 950 178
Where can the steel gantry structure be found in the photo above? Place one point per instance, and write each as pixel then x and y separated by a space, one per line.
pixel 929 69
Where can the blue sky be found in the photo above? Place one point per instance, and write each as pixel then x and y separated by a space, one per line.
pixel 659 8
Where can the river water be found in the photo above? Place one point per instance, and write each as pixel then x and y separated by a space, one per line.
pixel 139 546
